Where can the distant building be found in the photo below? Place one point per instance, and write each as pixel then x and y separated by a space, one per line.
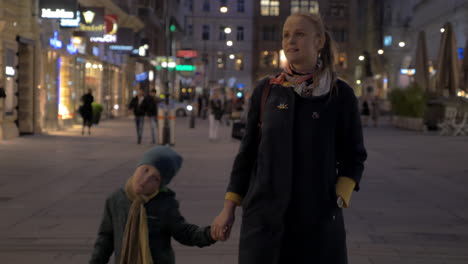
pixel 224 42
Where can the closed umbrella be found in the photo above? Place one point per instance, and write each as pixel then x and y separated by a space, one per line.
pixel 422 67
pixel 448 73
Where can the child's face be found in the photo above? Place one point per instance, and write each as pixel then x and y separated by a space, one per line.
pixel 146 180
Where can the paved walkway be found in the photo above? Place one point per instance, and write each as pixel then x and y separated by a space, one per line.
pixel 412 208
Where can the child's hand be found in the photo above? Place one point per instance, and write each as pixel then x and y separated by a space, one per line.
pixel 222 225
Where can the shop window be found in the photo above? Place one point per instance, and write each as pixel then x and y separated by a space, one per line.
pixel 205 58
pixel 340 34
pixel 338 9
pixel 270 33
pixel 221 61
pixel 239 63
pixel 206 6
pixel 343 60
pixel 66 107
pixel 241 6
pixel 304 6
pixel 222 34
pixel 206 32
pixel 190 30
pixel 269 7
pixel 240 33
pixel 269 59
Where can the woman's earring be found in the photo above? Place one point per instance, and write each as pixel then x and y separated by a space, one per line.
pixel 319 61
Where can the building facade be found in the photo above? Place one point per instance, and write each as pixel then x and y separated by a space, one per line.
pixel 402 23
pixel 224 42
pixel 47 64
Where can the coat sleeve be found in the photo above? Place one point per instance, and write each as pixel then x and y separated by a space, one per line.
pixel 131 105
pixel 104 245
pixel 351 152
pixel 185 233
pixel 246 157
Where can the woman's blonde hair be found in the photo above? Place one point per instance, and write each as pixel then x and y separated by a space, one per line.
pixel 327 53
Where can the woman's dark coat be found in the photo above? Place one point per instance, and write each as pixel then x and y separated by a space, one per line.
pixel 264 179
pixel 86 110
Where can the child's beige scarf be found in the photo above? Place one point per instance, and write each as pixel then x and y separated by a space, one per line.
pixel 135 243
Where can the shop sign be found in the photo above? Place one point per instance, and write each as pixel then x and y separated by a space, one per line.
pixel 190 68
pixel 104 39
pixel 55 42
pixel 187 53
pixel 110 35
pixel 161 59
pixel 71 48
pixel 124 41
pixel 121 48
pixel 92 21
pixel 141 77
pixel 58 8
pixel 71 23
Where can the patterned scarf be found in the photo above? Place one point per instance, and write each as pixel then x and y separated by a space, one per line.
pixel 135 244
pixel 305 85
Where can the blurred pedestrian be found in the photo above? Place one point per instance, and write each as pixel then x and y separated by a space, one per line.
pixel 152 113
pixel 375 110
pixel 86 111
pixel 228 106
pixel 216 114
pixel 365 109
pixel 139 107
pixel 301 157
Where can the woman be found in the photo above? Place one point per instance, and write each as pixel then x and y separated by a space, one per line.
pixel 216 113
pixel 295 173
pixel 86 111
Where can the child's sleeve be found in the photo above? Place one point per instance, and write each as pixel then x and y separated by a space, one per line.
pixel 188 234
pixel 104 245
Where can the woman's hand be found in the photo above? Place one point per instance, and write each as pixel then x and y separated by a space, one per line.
pixel 222 224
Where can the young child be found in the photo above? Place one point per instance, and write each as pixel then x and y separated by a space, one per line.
pixel 140 219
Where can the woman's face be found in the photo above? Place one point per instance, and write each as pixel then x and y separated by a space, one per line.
pixel 146 180
pixel 301 41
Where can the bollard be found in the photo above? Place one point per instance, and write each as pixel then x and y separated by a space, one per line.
pixel 192 116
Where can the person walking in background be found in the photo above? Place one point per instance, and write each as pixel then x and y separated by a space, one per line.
pixel 216 113
pixel 152 113
pixel 375 110
pixel 300 159
pixel 139 107
pixel 86 111
pixel 228 106
pixel 365 110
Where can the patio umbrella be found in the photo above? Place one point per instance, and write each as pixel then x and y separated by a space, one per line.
pixel 422 67
pixel 448 73
pixel 465 68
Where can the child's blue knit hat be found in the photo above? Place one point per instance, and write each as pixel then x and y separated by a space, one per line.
pixel 166 160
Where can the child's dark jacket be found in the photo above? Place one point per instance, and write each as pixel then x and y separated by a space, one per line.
pixel 164 222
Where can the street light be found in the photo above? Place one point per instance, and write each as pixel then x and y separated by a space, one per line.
pixel 232 56
pixel 442 30
pixel 361 58
pixel 401 44
pixel 227 30
pixel 358 82
pixel 380 51
pixel 229 43
pixel 223 9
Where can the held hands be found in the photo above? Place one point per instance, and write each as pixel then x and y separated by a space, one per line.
pixel 222 224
